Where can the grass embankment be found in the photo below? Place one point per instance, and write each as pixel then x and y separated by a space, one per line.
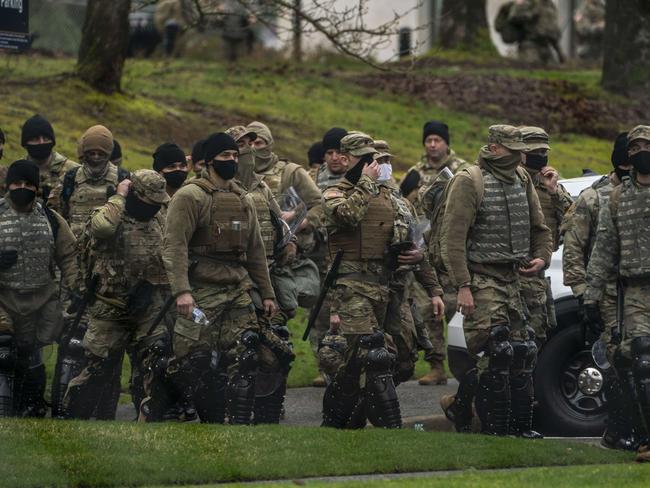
pixel 184 100
pixel 51 453
pixel 630 476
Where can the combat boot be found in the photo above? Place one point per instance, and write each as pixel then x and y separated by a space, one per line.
pixel 436 376
pixel 319 381
pixel 643 454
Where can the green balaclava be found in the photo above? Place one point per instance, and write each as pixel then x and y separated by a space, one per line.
pixel 502 167
pixel 246 167
pixel 264 158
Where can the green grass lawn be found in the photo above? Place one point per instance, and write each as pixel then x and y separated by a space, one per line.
pixel 628 475
pixel 57 453
pixel 184 100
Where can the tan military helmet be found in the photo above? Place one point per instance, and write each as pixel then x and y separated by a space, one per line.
pixel 508 136
pixel 150 185
pixel 534 138
pixel 358 144
pixel 239 131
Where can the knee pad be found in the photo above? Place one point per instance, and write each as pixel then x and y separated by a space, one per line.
pixel 250 339
pixel 379 360
pixel 524 355
pixel 7 353
pixel 500 350
pixel 372 341
pixel 155 355
pixel 641 356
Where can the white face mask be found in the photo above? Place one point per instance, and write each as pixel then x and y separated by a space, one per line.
pixel 385 172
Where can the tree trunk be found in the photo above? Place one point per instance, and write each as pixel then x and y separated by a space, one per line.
pixel 297 32
pixel 461 22
pixel 626 47
pixel 104 40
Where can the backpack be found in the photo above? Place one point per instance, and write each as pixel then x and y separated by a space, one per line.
pixel 510 33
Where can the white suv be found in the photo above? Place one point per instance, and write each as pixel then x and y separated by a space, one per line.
pixel 568 384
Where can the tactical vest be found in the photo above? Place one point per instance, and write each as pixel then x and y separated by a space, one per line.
pixel 226 236
pixel 32 236
pixel 131 255
pixel 277 173
pixel 86 196
pixel 501 230
pixel 633 222
pixel 368 240
pixel 551 217
pixel 264 218
pixel 602 199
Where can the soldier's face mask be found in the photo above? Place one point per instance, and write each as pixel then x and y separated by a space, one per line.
pixel 225 169
pixel 621 173
pixel 385 172
pixel 40 152
pixel 175 179
pixel 641 162
pixel 22 196
pixel 536 161
pixel 139 209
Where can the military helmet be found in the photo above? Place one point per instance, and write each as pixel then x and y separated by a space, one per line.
pixel 239 131
pixel 150 184
pixel 358 144
pixel 508 136
pixel 331 353
pixel 639 132
pixel 534 138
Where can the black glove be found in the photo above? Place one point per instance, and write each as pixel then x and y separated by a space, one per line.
pixel 354 175
pixel 593 321
pixel 8 259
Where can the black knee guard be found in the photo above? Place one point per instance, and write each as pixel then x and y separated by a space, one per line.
pixel 110 396
pixel 32 398
pixel 381 402
pixel 69 363
pixel 522 393
pixel 641 370
pixel 619 430
pixel 82 400
pixel 493 394
pixel 7 374
pixel 151 362
pixel 270 388
pixel 241 386
pixel 189 369
pixel 210 396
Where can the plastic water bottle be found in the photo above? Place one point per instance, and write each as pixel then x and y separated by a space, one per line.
pixel 199 317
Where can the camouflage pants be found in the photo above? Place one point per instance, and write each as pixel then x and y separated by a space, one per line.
pixel 496 303
pixel 405 344
pixel 111 330
pixel 541 312
pixel 535 52
pixel 360 305
pixel 34 319
pixel 321 326
pixel 231 312
pixel 636 315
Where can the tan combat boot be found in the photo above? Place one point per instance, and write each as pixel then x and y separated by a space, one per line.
pixel 436 376
pixel 319 381
pixel 643 454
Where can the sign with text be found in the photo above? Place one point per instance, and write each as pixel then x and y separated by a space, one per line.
pixel 14 25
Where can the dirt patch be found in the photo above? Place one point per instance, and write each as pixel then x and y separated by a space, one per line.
pixel 556 105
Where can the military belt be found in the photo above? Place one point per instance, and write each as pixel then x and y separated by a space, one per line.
pixel 365 277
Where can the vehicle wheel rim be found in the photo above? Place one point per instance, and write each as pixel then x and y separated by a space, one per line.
pixel 579 401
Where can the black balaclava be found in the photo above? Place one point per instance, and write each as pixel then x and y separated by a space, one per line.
pixel 34 127
pixel 435 127
pixel 22 170
pixel 620 156
pixel 215 145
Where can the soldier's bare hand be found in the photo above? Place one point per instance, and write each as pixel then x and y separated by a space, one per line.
pixel 371 170
pixel 465 301
pixel 185 304
pixel 534 267
pixel 438 307
pixel 287 215
pixel 412 256
pixel 123 187
pixel 269 307
pixel 550 178
pixel 335 323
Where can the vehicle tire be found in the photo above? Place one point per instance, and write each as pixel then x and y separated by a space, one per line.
pixel 562 408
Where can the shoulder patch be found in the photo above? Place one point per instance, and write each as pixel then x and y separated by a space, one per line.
pixel 333 193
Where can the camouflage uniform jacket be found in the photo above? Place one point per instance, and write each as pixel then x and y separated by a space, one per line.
pixel 190 209
pixel 539 19
pixel 619 245
pixel 553 206
pixel 49 178
pixel 429 172
pixel 580 235
pixel 462 207
pixel 325 178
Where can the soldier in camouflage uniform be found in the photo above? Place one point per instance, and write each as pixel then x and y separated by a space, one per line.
pixel 124 251
pixel 197 157
pixel 212 221
pixel 169 160
pixel 493 231
pixel 555 201
pixel 37 137
pixel 3 169
pixel 329 174
pixel 589 21
pixel 537 21
pixel 621 251
pixel 82 190
pixel 33 239
pixel 315 158
pixel 362 220
pixel 271 385
pixel 438 155
pixel 579 240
